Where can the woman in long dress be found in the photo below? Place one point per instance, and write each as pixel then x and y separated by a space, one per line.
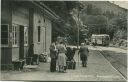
pixel 61 61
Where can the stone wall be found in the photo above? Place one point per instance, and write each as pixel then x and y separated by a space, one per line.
pixel 45 41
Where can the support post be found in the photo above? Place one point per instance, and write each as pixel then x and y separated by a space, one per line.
pixel 30 32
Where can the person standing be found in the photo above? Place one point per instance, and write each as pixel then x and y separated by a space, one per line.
pixel 53 55
pixel 61 61
pixel 84 53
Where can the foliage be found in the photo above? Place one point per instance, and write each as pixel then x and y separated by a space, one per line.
pixel 88 18
pixel 66 27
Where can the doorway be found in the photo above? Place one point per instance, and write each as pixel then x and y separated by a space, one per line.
pixel 21 42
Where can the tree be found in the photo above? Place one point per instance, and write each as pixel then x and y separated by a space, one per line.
pixel 116 27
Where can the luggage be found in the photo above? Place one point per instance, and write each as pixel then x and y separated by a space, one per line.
pixel 43 57
pixel 71 64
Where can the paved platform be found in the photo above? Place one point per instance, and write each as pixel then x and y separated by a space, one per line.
pixel 99 69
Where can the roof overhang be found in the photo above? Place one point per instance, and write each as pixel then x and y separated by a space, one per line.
pixel 46 11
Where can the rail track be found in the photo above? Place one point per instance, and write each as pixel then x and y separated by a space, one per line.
pixel 115 61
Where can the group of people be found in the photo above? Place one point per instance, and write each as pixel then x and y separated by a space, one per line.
pixel 58 56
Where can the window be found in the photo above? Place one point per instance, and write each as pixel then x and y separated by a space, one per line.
pixel 4 34
pixel 15 32
pixel 25 36
pixel 39 33
pixel 44 20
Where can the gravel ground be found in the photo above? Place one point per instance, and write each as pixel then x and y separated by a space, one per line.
pixel 99 69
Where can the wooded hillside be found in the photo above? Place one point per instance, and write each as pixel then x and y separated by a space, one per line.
pixel 92 19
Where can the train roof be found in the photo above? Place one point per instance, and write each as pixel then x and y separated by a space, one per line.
pixel 100 35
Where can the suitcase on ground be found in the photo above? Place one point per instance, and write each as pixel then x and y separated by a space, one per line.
pixel 71 64
pixel 43 58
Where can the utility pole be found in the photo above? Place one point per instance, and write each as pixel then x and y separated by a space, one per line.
pixel 78 26
pixel 78 29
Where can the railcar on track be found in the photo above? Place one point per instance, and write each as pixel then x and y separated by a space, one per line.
pixel 100 39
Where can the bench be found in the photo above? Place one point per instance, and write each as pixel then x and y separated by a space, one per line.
pixel 35 59
pixel 29 64
pixel 18 64
pixel 26 63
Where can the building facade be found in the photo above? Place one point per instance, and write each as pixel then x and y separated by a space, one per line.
pixel 23 24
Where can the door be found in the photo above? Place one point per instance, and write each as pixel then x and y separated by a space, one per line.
pixel 21 42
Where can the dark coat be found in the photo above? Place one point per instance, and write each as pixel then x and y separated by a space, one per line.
pixel 53 52
pixel 84 51
pixel 70 53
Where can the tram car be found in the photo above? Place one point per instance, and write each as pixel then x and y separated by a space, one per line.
pixel 100 39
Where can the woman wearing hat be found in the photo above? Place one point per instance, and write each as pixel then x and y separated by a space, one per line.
pixel 61 61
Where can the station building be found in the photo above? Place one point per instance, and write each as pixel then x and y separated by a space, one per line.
pixel 24 23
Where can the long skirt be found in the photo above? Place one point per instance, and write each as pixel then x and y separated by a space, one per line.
pixel 53 65
pixel 61 59
pixel 61 62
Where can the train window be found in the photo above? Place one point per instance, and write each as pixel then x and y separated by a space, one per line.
pixel 107 38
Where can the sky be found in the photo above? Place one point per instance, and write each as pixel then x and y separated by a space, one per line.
pixel 123 4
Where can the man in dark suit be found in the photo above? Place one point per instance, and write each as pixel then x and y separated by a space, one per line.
pixel 53 55
pixel 84 52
